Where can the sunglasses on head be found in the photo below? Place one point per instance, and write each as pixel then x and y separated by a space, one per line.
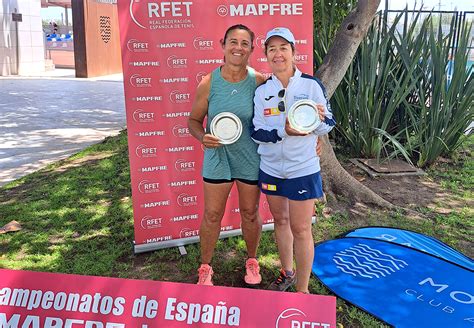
pixel 281 104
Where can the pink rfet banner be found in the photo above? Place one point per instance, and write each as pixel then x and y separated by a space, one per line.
pixel 38 299
pixel 167 47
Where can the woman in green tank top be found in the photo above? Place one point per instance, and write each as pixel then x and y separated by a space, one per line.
pixel 229 88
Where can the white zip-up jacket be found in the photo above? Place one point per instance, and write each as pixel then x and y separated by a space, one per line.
pixel 281 155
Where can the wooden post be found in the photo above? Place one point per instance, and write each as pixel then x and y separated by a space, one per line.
pixel 96 38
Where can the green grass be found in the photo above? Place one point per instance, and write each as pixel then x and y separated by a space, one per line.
pixel 77 218
pixel 457 175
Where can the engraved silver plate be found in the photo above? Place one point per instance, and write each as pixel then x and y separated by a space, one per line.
pixel 227 127
pixel 304 116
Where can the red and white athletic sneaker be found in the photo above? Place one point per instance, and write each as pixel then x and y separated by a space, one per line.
pixel 205 275
pixel 252 269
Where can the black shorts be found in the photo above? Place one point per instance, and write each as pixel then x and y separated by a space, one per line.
pixel 218 181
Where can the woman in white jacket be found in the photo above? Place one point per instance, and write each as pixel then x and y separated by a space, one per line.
pixel 289 166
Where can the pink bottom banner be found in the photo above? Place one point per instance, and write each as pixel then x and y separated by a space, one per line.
pixel 39 299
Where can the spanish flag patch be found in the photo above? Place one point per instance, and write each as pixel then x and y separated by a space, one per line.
pixel 270 187
pixel 271 111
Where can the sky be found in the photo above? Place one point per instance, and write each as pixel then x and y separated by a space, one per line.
pixel 54 13
pixel 445 5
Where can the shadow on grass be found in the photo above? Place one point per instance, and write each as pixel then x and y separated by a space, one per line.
pixel 75 218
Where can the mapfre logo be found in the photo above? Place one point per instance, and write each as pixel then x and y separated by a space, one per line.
pixel 222 10
pixel 141 116
pixel 138 81
pixel 156 168
pixel 260 9
pixel 303 41
pixel 173 80
pixel 174 61
pixel 186 200
pixel 186 183
pixel 144 64
pixel 182 165
pixel 295 318
pixel 156 204
pixel 209 61
pixel 149 222
pixel 176 114
pixel 143 151
pixel 178 97
pixel 140 13
pixel 156 133
pixel 158 239
pixel 171 45
pixel 202 44
pixel 188 217
pixel 135 45
pixel 181 131
pixel 148 187
pixel 147 98
pixel 179 149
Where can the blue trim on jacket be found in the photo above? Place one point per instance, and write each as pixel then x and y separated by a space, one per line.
pixel 266 136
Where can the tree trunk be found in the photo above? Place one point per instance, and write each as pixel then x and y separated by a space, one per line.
pixel 352 31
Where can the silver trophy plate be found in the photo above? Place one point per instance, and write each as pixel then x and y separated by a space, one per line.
pixel 304 116
pixel 227 127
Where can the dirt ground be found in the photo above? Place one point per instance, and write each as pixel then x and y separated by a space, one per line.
pixel 410 191
pixel 417 193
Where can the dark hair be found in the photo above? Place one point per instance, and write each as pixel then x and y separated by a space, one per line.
pixel 239 27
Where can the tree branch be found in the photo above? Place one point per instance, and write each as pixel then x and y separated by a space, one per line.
pixel 343 49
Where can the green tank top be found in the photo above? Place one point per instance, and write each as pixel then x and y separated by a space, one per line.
pixel 240 159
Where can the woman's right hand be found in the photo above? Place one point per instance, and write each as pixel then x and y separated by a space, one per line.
pixel 210 141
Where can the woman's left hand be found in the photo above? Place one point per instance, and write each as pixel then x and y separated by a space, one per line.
pixel 293 132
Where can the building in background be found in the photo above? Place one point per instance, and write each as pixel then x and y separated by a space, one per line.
pixel 97 49
pixel 28 46
pixel 21 38
pixel 58 29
